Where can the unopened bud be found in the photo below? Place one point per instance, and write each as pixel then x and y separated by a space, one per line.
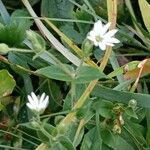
pixel 4 49
pixel 38 43
pixel 132 103
pixel 87 47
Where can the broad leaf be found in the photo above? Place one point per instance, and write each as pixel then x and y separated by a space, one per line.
pixel 55 72
pixel 57 9
pixel 92 141
pixel 7 83
pixel 143 100
pixel 14 33
pixel 115 141
pixel 84 74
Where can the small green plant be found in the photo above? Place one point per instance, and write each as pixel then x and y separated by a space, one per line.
pixel 90 70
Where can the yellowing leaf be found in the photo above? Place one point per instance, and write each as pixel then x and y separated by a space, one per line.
pixel 133 74
pixel 7 83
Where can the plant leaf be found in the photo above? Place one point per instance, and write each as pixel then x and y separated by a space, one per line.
pixel 7 83
pixel 86 74
pixel 143 100
pixel 145 9
pixel 55 72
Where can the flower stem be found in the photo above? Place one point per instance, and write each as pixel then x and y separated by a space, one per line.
pixel 112 11
pixel 21 50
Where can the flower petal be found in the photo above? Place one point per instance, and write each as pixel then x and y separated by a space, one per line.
pixel 92 38
pixel 30 106
pixel 113 40
pixel 35 99
pixel 98 25
pixel 102 46
pixel 110 33
pixel 105 28
pixel 110 44
pixel 42 98
pixel 31 101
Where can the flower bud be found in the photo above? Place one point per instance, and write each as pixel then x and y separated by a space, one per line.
pixel 38 43
pixel 4 49
pixel 132 103
pixel 87 47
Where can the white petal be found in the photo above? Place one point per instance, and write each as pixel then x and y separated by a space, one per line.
pixel 46 100
pixel 102 46
pixel 93 33
pixel 105 28
pixel 30 106
pixel 92 38
pixel 35 99
pixel 113 40
pixel 44 103
pixel 110 44
pixel 42 98
pixel 110 33
pixel 98 25
pixel 31 101
pixel 96 43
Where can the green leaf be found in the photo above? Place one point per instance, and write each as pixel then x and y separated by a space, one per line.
pixel 57 9
pixel 49 129
pixel 145 9
pixel 55 72
pixel 74 35
pixel 115 141
pixel 136 130
pixel 14 33
pixel 130 112
pixel 4 13
pixel 81 14
pixel 104 108
pixel 62 143
pixel 86 74
pixel 91 141
pixel 7 83
pixel 143 100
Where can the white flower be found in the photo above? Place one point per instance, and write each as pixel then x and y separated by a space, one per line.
pixel 37 104
pixel 101 37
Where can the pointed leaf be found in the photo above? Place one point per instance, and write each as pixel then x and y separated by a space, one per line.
pixel 145 9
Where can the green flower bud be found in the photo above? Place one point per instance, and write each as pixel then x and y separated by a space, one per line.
pixel 4 49
pixel 38 43
pixel 87 47
pixel 132 103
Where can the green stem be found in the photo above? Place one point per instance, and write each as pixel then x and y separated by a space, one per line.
pixel 112 11
pixel 21 50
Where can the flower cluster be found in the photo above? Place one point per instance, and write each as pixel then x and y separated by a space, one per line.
pixel 101 37
pixel 37 104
